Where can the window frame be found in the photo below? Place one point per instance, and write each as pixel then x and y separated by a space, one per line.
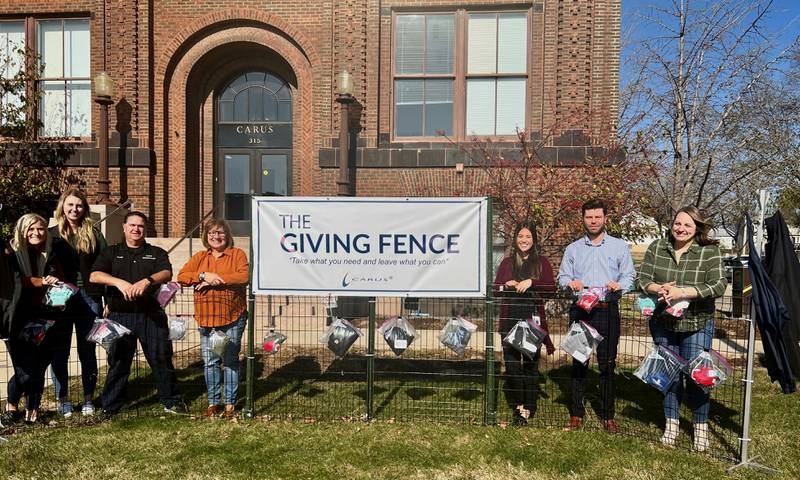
pixel 460 74
pixel 39 89
pixel 31 26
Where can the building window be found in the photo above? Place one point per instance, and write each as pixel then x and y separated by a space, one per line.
pixel 65 83
pixel 460 87
pixel 12 60
pixel 424 75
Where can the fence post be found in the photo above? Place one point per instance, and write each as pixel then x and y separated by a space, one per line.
pixel 251 328
pixel 490 410
pixel 370 359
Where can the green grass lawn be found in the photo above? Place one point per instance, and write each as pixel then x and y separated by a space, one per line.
pixel 155 447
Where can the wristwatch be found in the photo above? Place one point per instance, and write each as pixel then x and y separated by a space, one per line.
pixel 150 279
pixel 202 276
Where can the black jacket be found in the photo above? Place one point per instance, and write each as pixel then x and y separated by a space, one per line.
pixel 771 316
pixel 9 290
pixel 784 269
pixel 79 262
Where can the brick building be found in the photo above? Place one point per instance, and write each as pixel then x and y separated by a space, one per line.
pixel 217 98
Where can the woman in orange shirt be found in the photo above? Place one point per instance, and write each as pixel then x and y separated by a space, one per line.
pixel 219 275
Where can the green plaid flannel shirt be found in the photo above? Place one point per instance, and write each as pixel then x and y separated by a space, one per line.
pixel 700 267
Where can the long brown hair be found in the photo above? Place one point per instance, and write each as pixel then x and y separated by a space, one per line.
pixel 525 268
pixel 86 239
pixel 703 226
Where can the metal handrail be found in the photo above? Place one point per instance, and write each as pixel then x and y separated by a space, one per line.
pixel 122 205
pixel 191 231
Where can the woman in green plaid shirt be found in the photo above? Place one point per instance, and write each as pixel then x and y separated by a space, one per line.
pixel 685 266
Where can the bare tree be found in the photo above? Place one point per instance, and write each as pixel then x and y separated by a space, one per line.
pixel 705 80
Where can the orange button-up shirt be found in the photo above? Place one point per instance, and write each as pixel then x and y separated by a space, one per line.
pixel 223 304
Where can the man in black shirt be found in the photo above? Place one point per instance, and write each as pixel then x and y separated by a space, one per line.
pixel 134 270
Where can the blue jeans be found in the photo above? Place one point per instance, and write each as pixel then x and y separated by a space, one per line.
pixel 229 362
pixel 688 345
pixel 82 311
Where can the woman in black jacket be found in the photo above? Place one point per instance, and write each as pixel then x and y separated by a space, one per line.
pixel 83 242
pixel 36 266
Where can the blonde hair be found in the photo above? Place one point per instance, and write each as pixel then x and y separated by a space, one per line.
pixel 19 244
pixel 85 236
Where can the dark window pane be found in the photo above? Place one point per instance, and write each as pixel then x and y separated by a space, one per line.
pixel 256 104
pixel 285 111
pixel 274 175
pixel 225 111
pixel 237 187
pixel 270 106
pixel 240 104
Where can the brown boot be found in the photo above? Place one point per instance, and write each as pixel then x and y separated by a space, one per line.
pixel 229 411
pixel 212 410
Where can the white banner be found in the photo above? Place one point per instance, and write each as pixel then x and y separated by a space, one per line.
pixel 362 246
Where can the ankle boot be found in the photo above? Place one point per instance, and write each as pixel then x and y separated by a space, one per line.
pixel 670 432
pixel 700 437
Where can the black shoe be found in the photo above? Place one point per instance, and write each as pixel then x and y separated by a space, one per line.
pixel 106 415
pixel 10 417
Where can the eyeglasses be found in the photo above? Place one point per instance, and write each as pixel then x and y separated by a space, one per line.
pixel 216 233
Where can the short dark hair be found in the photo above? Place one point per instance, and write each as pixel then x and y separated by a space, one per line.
pixel 217 222
pixel 594 204
pixel 135 213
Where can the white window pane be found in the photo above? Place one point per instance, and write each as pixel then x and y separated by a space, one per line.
pixel 53 109
pixel 482 43
pixel 12 38
pixel 76 48
pixel 439 46
pixel 480 106
pixel 408 107
pixel 512 48
pixel 51 48
pixel 438 107
pixel 79 108
pixel 510 105
pixel 410 43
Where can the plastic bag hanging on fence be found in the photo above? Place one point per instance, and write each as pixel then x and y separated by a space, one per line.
pixel 581 341
pixel 177 328
pixel 57 295
pixel 340 336
pixel 660 368
pixel 167 292
pixel 272 342
pixel 36 330
pixel 105 332
pixel 398 333
pixel 709 370
pixel 456 334
pixel 588 298
pixel 647 305
pixel 526 337
pixel 219 342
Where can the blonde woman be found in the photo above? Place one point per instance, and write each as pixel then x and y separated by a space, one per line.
pixel 36 262
pixel 85 242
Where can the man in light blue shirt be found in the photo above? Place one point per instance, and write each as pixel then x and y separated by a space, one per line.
pixel 603 263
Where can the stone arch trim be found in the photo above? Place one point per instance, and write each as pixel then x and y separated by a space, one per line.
pixel 172 108
pixel 182 38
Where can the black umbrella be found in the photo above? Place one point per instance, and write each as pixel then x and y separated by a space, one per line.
pixel 771 316
pixel 784 270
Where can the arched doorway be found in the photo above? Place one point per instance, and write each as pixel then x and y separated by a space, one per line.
pixel 253 143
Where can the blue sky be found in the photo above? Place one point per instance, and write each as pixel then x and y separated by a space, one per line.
pixel 783 21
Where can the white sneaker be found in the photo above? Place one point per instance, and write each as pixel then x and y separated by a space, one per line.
pixel 670 432
pixel 65 409
pixel 87 409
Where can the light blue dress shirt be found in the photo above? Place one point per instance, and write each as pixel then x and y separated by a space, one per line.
pixel 597 265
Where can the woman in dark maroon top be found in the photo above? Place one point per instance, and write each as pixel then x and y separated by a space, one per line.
pixel 524 270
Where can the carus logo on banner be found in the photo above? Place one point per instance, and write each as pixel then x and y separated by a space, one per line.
pixel 349 279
